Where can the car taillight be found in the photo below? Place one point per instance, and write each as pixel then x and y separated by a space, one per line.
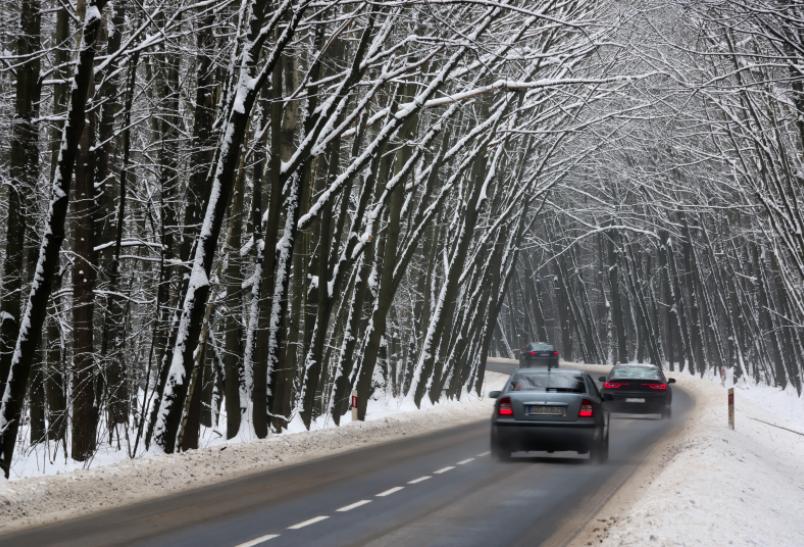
pixel 613 385
pixel 532 353
pixel 555 354
pixel 656 387
pixel 505 408
pixel 586 410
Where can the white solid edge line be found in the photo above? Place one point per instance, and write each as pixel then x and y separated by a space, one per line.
pixel 467 460
pixel 257 541
pixel 444 469
pixel 420 479
pixel 390 491
pixel 308 522
pixel 355 505
pixel 486 453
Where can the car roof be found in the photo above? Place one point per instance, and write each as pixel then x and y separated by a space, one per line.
pixel 636 365
pixel 554 371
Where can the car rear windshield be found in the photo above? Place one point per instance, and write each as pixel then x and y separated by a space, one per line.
pixel 562 383
pixel 540 346
pixel 635 373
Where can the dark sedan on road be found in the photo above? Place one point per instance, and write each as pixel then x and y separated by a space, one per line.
pixel 638 389
pixel 538 354
pixel 552 410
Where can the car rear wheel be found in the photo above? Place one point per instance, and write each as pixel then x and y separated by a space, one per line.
pixel 667 413
pixel 600 451
pixel 500 454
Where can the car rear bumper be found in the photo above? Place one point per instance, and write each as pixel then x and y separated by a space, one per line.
pixel 628 403
pixel 514 436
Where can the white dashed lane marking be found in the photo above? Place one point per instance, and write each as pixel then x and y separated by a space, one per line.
pixel 353 506
pixel 390 491
pixel 258 541
pixel 268 537
pixel 308 522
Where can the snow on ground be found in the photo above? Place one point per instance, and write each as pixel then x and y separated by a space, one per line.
pixel 707 485
pixel 114 480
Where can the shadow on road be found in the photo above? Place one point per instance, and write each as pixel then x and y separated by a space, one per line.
pixel 519 457
pixel 645 417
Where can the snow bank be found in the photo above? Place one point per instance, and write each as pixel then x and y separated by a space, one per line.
pixel 38 500
pixel 707 485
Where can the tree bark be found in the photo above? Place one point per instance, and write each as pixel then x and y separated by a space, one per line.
pixel 47 264
pixel 24 172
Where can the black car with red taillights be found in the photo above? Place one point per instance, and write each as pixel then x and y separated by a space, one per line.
pixel 538 354
pixel 638 389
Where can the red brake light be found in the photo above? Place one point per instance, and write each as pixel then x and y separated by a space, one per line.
pixel 656 387
pixel 555 354
pixel 613 385
pixel 505 408
pixel 586 410
pixel 532 353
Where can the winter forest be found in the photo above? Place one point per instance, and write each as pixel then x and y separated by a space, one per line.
pixel 231 214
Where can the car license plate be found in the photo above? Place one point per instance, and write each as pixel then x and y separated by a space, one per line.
pixel 543 410
pixel 635 400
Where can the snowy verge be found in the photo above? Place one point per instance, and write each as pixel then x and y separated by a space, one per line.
pixel 707 485
pixel 39 500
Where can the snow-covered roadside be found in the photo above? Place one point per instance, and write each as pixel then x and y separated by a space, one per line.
pixel 37 500
pixel 707 485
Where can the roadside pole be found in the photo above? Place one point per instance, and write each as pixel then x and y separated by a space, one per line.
pixel 354 406
pixel 731 408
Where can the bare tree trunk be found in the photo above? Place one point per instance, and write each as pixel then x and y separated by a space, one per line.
pixel 24 172
pixel 621 346
pixel 84 409
pixel 387 289
pixel 264 281
pixel 197 293
pixel 233 331
pixel 47 264
pixel 109 227
pixel 54 380
pixel 429 362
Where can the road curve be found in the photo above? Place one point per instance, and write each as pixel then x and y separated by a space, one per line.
pixel 439 489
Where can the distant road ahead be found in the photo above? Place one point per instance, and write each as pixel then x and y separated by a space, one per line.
pixel 433 490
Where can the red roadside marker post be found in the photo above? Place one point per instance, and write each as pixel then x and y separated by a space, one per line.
pixel 731 408
pixel 354 406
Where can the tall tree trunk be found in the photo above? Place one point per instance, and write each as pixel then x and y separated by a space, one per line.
pixel 24 173
pixel 264 275
pixel 195 299
pixel 449 291
pixel 109 226
pixel 84 410
pixel 618 319
pixel 35 311
pixel 54 379
pixel 313 360
pixel 387 288
pixel 233 331
pixel 170 276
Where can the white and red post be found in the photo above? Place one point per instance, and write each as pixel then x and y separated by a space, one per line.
pixel 354 406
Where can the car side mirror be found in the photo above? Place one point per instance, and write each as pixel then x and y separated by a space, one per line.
pixel 494 394
pixel 671 380
pixel 602 378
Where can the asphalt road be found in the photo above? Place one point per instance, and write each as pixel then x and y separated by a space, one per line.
pixel 433 490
